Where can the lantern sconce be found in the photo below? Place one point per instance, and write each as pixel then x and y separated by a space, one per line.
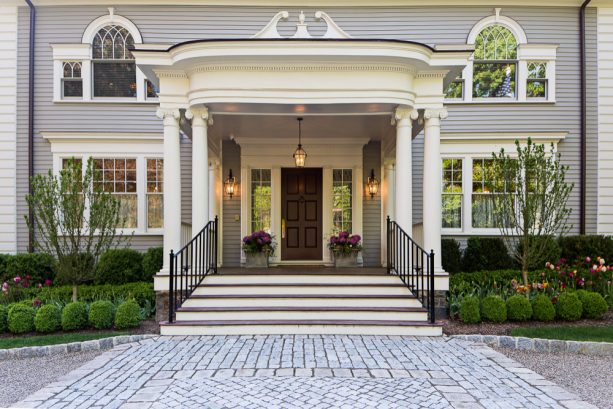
pixel 230 185
pixel 372 184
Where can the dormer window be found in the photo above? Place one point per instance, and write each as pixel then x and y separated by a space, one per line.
pixel 114 69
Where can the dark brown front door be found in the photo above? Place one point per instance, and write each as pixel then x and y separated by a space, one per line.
pixel 301 212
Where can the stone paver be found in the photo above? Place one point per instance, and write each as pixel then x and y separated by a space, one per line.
pixel 301 372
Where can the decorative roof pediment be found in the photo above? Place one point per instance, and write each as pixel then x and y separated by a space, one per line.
pixel 332 31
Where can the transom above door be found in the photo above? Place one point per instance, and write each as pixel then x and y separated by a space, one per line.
pixel 301 214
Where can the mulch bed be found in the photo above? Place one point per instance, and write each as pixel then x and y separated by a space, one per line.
pixel 456 327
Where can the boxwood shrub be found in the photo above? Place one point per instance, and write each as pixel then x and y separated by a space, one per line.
pixel 519 308
pixel 21 318
pixel 451 256
pixel 39 266
pixel 569 307
pixel 48 318
pixel 101 314
pixel 4 312
pixel 119 266
pixel 493 309
pixel 594 305
pixel 74 316
pixel 542 308
pixel 469 310
pixel 127 315
pixel 153 261
pixel 486 253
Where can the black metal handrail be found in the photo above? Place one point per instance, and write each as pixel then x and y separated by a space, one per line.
pixel 190 265
pixel 413 264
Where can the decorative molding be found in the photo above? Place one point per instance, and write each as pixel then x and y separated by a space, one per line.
pixel 553 137
pixel 170 74
pixel 401 113
pixel 302 30
pixel 54 137
pixel 199 113
pixel 431 74
pixel 437 113
pixel 298 68
pixel 164 113
pixel 111 18
pixel 509 23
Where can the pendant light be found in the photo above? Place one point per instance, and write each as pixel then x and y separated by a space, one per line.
pixel 300 155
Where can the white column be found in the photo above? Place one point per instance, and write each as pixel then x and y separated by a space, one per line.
pixel 172 182
pixel 403 207
pixel 387 196
pixel 213 196
pixel 432 218
pixel 200 167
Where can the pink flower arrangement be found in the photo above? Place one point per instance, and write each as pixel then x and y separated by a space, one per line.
pixel 345 243
pixel 259 242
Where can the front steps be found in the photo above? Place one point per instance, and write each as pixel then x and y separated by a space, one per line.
pixel 248 304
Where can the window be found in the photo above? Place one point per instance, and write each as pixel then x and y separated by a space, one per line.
pixel 536 84
pixel 118 176
pixel 342 194
pixel 482 203
pixel 261 199
pixel 72 83
pixel 452 193
pixel 151 91
pixel 114 69
pixel 155 193
pixel 455 90
pixel 495 63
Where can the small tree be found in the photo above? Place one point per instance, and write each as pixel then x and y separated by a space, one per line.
pixel 75 219
pixel 529 194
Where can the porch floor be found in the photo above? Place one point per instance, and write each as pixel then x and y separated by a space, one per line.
pixel 311 270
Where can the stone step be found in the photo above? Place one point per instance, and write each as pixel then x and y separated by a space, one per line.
pixel 302 289
pixel 302 300
pixel 299 279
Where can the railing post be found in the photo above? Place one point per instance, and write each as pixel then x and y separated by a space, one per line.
pixel 171 287
pixel 431 295
pixel 389 247
pixel 215 243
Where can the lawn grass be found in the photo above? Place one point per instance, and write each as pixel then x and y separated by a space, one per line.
pixel 595 334
pixel 53 339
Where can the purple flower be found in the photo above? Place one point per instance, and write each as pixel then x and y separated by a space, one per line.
pixel 17 280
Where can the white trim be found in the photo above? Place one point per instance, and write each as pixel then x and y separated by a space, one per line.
pixel 321 3
pixel 516 29
pixel 110 19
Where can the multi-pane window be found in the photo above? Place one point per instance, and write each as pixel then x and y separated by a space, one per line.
pixel 118 176
pixel 342 195
pixel 151 91
pixel 536 84
pixel 72 83
pixel 495 63
pixel 455 90
pixel 452 193
pixel 261 199
pixel 482 199
pixel 114 69
pixel 155 193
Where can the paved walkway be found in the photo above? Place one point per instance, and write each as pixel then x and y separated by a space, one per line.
pixel 303 372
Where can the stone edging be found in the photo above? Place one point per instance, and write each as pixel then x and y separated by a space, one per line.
pixel 541 345
pixel 92 345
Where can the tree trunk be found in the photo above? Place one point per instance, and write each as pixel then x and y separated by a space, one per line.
pixel 74 293
pixel 524 275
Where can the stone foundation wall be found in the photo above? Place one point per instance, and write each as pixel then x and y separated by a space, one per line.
pixel 161 306
pixel 440 304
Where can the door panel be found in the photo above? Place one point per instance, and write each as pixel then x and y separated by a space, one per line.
pixel 301 209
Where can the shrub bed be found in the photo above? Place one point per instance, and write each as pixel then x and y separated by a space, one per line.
pixel 469 310
pixel 594 305
pixel 119 266
pixel 543 309
pixel 4 312
pixel 519 308
pixel 101 314
pixel 128 315
pixel 48 318
pixel 486 253
pixel 493 309
pixel 451 256
pixel 21 318
pixel 569 307
pixel 38 266
pixel 74 316
pixel 153 261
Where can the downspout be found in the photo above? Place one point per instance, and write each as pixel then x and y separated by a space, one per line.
pixel 583 136
pixel 31 116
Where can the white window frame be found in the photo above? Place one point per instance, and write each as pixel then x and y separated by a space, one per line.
pixel 100 145
pixel 82 52
pixel 526 52
pixel 250 198
pixel 471 146
pixel 462 208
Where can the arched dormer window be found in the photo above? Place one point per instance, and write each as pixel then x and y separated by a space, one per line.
pixel 114 69
pixel 495 63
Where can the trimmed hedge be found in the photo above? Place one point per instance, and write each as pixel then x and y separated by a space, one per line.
pixel 469 310
pixel 543 309
pixel 74 316
pixel 594 306
pixel 576 248
pixel 484 277
pixel 119 266
pixel 569 307
pixel 493 309
pixel 127 315
pixel 4 312
pixel 153 261
pixel 21 318
pixel 451 256
pixel 39 266
pixel 519 308
pixel 486 253
pixel 48 318
pixel 551 252
pixel 101 314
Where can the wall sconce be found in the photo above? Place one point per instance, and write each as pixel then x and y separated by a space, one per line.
pixel 229 185
pixel 372 184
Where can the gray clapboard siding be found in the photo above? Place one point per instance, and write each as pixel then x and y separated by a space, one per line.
pixel 231 208
pixel 371 208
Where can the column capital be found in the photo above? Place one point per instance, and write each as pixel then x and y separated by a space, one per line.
pixel 199 113
pixel 404 113
pixel 164 113
pixel 436 113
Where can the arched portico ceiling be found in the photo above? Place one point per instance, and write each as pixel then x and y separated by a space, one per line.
pixel 328 70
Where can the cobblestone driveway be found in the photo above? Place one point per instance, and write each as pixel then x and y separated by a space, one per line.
pixel 303 372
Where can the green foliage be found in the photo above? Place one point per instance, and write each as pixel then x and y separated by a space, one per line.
pixel 577 248
pixel 74 316
pixel 39 266
pixel 469 310
pixel 101 314
pixel 550 251
pixel 4 312
pixel 21 318
pixel 493 309
pixel 594 306
pixel 48 318
pixel 85 262
pixel 519 308
pixel 153 261
pixel 451 256
pixel 486 253
pixel 542 308
pixel 128 315
pixel 569 307
pixel 119 266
